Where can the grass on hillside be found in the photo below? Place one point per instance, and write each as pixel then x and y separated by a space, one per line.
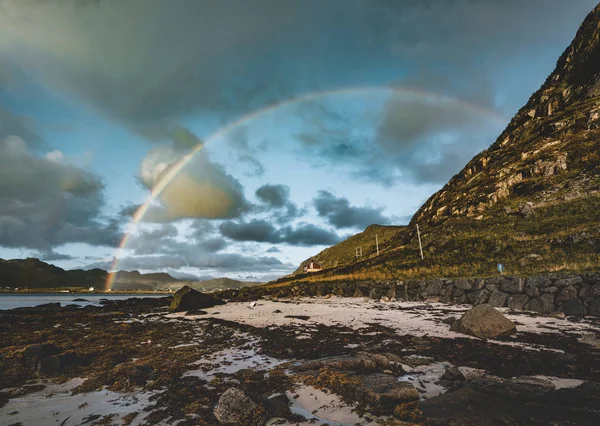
pixel 565 236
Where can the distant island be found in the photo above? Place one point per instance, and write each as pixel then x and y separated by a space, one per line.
pixel 34 274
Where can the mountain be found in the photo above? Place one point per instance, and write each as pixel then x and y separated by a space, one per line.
pixel 217 284
pixel 531 201
pixel 34 274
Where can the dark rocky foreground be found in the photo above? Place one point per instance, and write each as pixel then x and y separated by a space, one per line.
pixel 282 361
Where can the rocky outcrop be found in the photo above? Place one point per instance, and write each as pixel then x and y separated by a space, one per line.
pixel 234 407
pixel 537 143
pixel 187 299
pixel 484 322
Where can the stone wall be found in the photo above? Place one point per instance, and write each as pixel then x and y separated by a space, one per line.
pixel 573 294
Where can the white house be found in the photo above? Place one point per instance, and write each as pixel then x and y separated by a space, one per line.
pixel 312 266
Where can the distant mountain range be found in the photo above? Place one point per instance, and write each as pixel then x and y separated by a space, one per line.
pixel 531 201
pixel 35 274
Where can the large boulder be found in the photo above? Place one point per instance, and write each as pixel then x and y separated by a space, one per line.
pixel 234 407
pixel 484 322
pixel 186 299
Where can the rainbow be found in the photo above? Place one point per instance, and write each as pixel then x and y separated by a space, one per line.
pixel 178 166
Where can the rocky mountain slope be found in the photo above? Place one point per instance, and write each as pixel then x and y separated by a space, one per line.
pixel 530 201
pixel 32 273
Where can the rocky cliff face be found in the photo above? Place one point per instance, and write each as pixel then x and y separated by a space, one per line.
pixel 548 152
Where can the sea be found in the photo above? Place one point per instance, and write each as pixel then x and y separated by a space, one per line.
pixel 21 300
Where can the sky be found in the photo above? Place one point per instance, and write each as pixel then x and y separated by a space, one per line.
pixel 237 138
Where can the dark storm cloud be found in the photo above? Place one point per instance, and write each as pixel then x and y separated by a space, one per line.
pixel 202 229
pixel 339 213
pixel 264 231
pixel 276 200
pixel 162 239
pixel 128 210
pixel 162 59
pixel 258 230
pixel 46 202
pixel 224 262
pixel 158 59
pixel 50 256
pixel 213 245
pixel 163 247
pixel 151 63
pixel 306 234
pixel 274 195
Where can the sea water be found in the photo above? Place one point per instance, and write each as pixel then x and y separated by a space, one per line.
pixel 21 300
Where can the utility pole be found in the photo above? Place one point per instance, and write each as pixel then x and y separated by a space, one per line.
pixel 377 244
pixel 420 245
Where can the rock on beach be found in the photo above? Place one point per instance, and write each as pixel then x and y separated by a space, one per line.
pixel 484 322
